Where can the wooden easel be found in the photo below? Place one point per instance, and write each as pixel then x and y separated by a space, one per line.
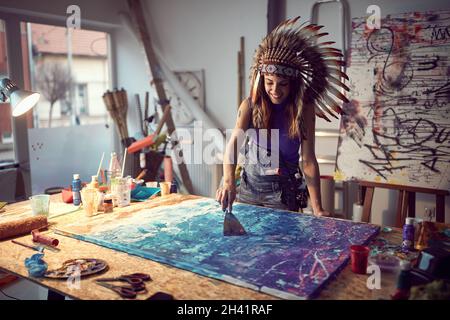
pixel 406 203
pixel 137 12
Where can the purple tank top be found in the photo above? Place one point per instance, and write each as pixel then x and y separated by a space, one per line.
pixel 289 148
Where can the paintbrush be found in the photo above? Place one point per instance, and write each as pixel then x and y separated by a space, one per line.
pixel 231 224
pixel 124 160
pixel 100 165
pixel 36 248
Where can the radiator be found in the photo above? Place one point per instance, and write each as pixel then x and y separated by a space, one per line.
pixel 205 178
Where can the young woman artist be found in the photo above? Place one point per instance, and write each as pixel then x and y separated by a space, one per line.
pixel 292 77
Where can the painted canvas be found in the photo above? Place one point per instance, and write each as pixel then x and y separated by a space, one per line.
pixel 284 254
pixel 396 128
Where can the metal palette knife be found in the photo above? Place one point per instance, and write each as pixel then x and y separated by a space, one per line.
pixel 231 224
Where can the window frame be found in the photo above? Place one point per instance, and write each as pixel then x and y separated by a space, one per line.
pixel 12 20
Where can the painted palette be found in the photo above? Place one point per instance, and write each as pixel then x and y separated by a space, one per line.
pixel 284 254
pixel 77 267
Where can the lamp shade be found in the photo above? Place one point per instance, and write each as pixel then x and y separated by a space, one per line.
pixel 22 101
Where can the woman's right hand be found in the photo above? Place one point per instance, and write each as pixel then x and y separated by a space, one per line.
pixel 225 196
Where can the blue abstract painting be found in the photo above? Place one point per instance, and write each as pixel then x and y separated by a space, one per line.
pixel 285 254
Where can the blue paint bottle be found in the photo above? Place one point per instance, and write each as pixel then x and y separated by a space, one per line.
pixel 76 188
pixel 408 235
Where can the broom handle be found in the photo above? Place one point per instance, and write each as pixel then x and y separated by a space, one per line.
pixel 146 113
pixel 162 121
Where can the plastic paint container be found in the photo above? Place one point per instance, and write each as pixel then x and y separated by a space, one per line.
pixel 359 255
pixel 165 188
pixel 107 205
pixel 389 271
pixel 40 204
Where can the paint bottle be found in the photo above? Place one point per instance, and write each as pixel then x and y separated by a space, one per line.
pixel 358 207
pixel 94 182
pixel 408 235
pixel 403 282
pixel 108 204
pixel 114 166
pixel 142 160
pixel 76 188
pixel 173 186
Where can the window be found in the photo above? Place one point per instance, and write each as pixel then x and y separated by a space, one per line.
pixel 71 71
pixel 6 136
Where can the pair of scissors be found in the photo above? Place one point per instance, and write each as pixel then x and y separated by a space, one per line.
pixel 135 279
pixel 123 291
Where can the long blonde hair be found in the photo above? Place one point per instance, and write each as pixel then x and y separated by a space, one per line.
pixel 262 111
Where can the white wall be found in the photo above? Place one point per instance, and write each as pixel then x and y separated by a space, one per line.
pixel 192 35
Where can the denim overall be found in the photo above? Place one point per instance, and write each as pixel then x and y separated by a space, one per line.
pixel 256 187
pixel 261 186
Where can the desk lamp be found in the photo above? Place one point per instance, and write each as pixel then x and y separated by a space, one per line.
pixel 21 100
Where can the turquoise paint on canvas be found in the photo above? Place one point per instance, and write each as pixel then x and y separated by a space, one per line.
pixel 285 254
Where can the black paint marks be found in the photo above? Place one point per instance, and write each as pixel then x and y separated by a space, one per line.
pixel 401 86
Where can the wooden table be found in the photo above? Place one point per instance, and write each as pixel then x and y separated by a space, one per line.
pixel 180 283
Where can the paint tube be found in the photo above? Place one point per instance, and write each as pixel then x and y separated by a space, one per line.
pixel 38 237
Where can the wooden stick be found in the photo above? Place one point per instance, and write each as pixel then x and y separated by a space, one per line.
pixel 241 71
pixel 139 110
pixel 138 14
pixel 146 112
pixel 239 84
pixel 161 122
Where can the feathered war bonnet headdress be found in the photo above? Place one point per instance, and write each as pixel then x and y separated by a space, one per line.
pixel 292 50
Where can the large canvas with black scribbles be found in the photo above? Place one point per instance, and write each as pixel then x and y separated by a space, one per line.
pixel 396 128
pixel 285 254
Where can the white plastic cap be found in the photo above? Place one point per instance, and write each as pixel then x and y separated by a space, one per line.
pixel 409 220
pixel 76 176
